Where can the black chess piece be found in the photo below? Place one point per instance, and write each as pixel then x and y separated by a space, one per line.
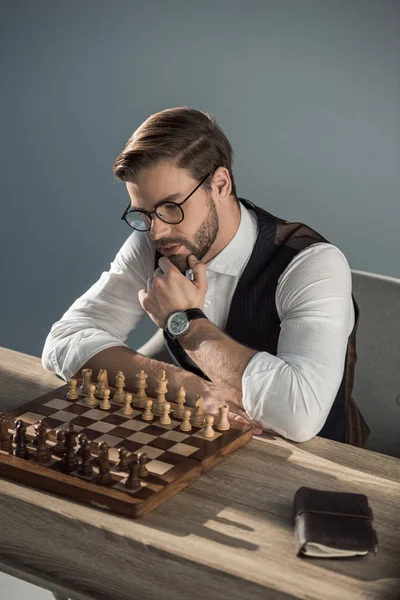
pixel 104 476
pixel 133 482
pixel 36 438
pixel 43 452
pixel 5 435
pixel 19 438
pixel 82 438
pixel 143 471
pixel 86 468
pixel 60 446
pixel 123 459
pixel 70 462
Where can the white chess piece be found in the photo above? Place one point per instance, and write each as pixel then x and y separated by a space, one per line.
pixel 186 424
pixel 72 391
pixel 197 419
pixel 180 401
pixel 208 431
pixel 165 418
pixel 147 414
pixel 127 409
pixel 223 423
pixel 90 399
pixel 105 403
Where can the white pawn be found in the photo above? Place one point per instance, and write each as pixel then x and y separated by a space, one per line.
pixel 186 425
pixel 72 392
pixel 105 403
pixel 147 414
pixel 165 418
pixel 90 399
pixel 223 423
pixel 127 410
pixel 208 431
pixel 180 401
pixel 119 395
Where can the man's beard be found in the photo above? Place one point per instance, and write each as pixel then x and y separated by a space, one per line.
pixel 204 238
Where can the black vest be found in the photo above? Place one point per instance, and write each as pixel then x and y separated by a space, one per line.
pixel 253 319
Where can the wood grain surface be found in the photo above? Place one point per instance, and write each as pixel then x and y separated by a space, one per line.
pixel 228 535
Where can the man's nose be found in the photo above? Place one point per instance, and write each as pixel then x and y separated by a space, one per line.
pixel 159 229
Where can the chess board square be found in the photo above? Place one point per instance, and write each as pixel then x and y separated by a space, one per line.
pixel 53 423
pixel 135 425
pixel 122 432
pixel 156 431
pixel 183 449
pixel 162 443
pixel 158 467
pixel 95 414
pixel 101 426
pixel 150 451
pixel 65 426
pixel 114 419
pixel 172 425
pixel 111 440
pixel 129 445
pixel 81 421
pixel 77 410
pixel 57 403
pixel 31 417
pixel 175 436
pixel 113 455
pixel 91 434
pixel 141 438
pixel 63 415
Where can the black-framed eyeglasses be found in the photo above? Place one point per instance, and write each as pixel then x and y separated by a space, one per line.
pixel 169 212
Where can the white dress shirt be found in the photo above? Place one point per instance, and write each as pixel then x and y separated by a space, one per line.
pixel 290 393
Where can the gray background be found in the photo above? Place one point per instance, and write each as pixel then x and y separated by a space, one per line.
pixel 306 90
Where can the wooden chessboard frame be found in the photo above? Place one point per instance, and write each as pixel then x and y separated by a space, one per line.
pixel 114 500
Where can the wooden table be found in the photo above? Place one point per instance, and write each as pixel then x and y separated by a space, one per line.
pixel 228 535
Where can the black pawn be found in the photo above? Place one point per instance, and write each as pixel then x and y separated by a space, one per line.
pixel 20 440
pixel 70 462
pixel 5 435
pixel 123 459
pixel 82 438
pixel 36 428
pixel 86 468
pixel 143 471
pixel 133 482
pixel 104 476
pixel 43 452
pixel 60 446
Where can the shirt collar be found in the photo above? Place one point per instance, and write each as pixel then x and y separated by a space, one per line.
pixel 233 258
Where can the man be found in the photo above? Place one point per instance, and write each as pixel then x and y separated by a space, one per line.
pixel 252 310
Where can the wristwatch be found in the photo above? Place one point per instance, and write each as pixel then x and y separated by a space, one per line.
pixel 178 322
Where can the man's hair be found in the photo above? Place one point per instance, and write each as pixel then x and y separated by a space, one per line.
pixel 187 136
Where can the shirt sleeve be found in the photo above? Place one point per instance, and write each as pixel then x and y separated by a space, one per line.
pixel 292 393
pixel 105 314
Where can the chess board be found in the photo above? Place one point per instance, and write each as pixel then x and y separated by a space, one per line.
pixel 175 458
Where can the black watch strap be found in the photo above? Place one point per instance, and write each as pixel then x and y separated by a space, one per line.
pixel 194 313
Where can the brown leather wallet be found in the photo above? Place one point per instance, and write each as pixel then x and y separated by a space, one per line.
pixel 333 524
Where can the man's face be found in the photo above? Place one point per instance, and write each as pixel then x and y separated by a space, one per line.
pixel 199 228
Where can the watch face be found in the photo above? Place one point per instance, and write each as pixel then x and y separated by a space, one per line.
pixel 178 323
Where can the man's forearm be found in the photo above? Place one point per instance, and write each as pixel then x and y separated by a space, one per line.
pixel 220 357
pixel 121 358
